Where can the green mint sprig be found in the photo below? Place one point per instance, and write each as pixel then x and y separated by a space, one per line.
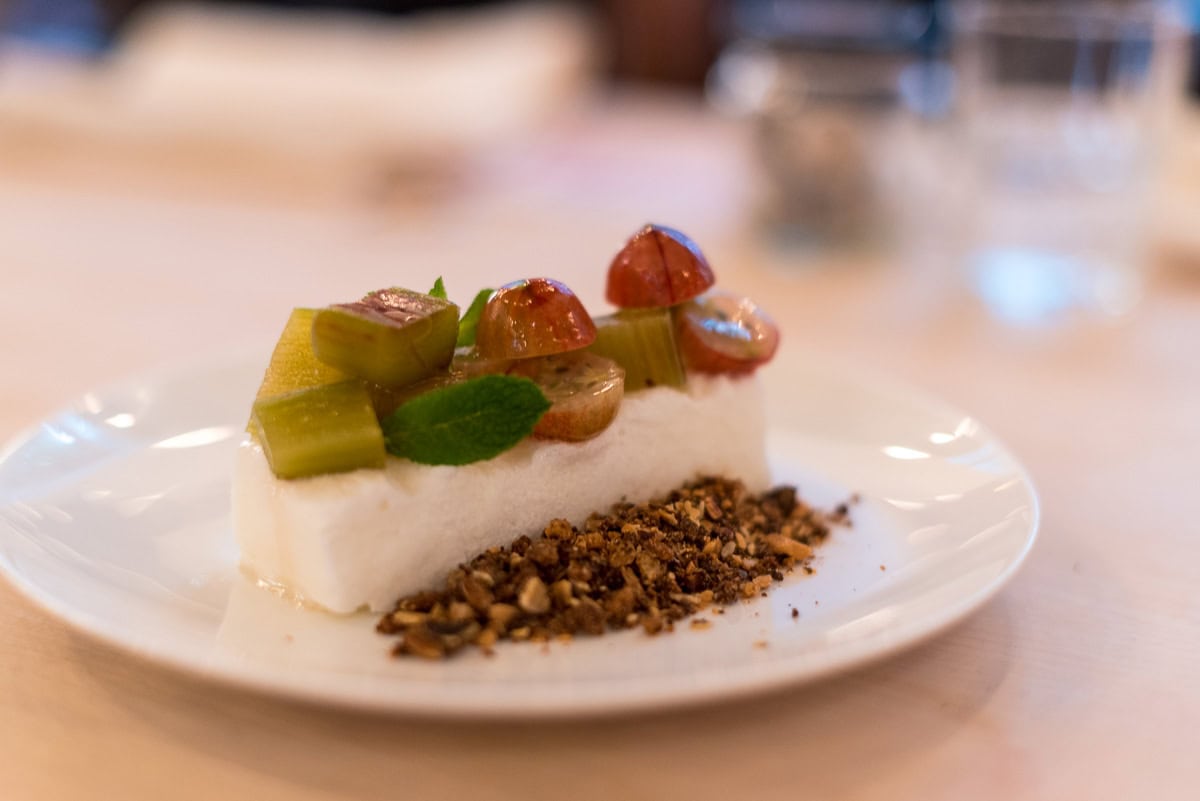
pixel 470 319
pixel 469 422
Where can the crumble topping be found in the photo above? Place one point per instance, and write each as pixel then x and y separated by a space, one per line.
pixel 711 542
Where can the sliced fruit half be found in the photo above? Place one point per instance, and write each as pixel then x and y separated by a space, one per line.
pixel 584 390
pixel 658 267
pixel 723 333
pixel 533 317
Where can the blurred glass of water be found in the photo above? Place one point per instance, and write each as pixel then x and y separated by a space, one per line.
pixel 1063 106
pixel 834 91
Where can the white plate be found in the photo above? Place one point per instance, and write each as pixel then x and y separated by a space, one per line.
pixel 115 517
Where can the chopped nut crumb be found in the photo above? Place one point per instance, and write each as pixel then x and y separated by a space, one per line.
pixel 534 599
pixel 708 544
pixel 501 615
pixel 778 543
pixel 419 640
pixel 487 638
pixel 477 592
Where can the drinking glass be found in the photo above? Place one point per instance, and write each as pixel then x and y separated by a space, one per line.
pixel 1062 106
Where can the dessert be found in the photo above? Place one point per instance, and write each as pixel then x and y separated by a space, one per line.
pixel 387 446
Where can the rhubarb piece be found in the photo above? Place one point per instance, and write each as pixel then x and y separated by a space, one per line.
pixel 325 429
pixel 643 342
pixel 392 337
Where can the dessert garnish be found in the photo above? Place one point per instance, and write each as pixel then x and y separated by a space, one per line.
pixel 398 372
pixel 465 422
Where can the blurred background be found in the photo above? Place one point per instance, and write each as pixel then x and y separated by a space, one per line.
pixel 1037 156
pixel 997 202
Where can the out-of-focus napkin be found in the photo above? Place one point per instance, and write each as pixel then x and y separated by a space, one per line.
pixel 317 97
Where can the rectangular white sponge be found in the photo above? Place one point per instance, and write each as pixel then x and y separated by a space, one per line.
pixel 362 539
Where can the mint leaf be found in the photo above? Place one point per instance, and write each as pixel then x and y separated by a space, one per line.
pixel 470 319
pixel 439 289
pixel 468 422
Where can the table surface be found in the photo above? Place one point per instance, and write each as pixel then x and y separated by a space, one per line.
pixel 1078 681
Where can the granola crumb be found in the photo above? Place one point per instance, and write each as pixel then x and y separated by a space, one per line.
pixel 709 544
